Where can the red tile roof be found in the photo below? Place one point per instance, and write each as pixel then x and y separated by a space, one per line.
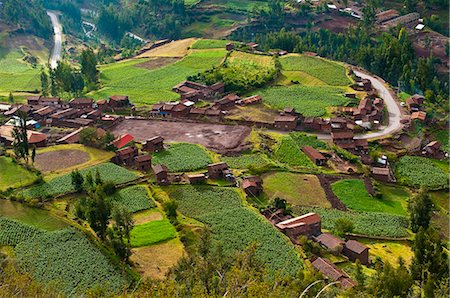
pixel 122 140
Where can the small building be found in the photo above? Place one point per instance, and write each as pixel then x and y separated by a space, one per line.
pixel 290 111
pixel 196 178
pixel 286 122
pixel 229 46
pixel 154 144
pixel 122 141
pixel 15 109
pixel 227 102
pixel 34 138
pixel 71 138
pixel 143 162
pixel 433 148
pixel 81 103
pixel 343 139
pixel 218 170
pixel 421 116
pixel 383 174
pixel 332 272
pixel 308 224
pixel 330 242
pixel 126 155
pixel 316 157
pixel 255 99
pixel 386 15
pixel 161 174
pixel 355 250
pixel 253 47
pixel 44 101
pixel 252 185
pixel 43 113
pixel 119 101
pixel 180 110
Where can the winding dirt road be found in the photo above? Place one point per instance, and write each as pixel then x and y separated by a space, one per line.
pixel 57 48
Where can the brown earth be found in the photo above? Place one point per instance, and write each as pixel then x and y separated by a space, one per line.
pixel 57 160
pixel 158 62
pixel 220 138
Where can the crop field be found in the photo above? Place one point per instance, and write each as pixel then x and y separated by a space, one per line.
pixel 365 223
pixel 311 101
pixel 390 251
pixel 12 232
pixel 77 265
pixel 237 5
pixel 16 75
pixel 353 193
pixel 302 140
pixel 177 48
pixel 63 184
pixel 244 161
pixel 134 198
pixel 152 232
pixel 296 189
pixel 209 44
pixel 13 175
pixel 420 172
pixel 289 153
pixel 145 86
pixel 332 73
pixel 236 226
pixel 183 157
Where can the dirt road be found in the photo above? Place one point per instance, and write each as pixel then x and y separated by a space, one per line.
pixel 57 47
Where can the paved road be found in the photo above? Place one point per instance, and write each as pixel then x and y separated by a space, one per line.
pixel 392 106
pixel 57 48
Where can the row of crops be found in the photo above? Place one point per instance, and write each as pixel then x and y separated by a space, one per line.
pixel 183 157
pixel 63 184
pixel 420 172
pixel 244 161
pixel 13 232
pixel 134 198
pixel 236 226
pixel 289 153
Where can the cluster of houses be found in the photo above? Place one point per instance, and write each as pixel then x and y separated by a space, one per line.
pixel 309 225
pixel 414 104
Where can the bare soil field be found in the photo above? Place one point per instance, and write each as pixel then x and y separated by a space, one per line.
pixel 220 138
pixel 338 23
pixel 177 48
pixel 158 62
pixel 56 160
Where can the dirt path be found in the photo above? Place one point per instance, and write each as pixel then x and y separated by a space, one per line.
pixel 57 48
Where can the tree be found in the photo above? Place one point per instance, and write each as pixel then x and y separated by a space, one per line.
pixel 33 154
pixel 98 212
pixel 44 82
pixel 98 178
pixel 420 208
pixel 11 98
pixel 343 226
pixel 89 137
pixel 89 70
pixel 119 235
pixel 20 145
pixel 359 274
pixel 88 181
pixel 392 282
pixel 170 208
pixel 77 180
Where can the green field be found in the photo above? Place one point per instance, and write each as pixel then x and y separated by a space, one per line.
pixel 134 198
pixel 182 157
pixel 421 172
pixel 12 232
pixel 365 223
pixel 209 44
pixel 296 189
pixel 63 184
pixel 145 86
pixel 244 161
pixel 236 5
pixel 13 175
pixel 329 72
pixel 236 226
pixel 152 232
pixel 353 193
pixel 16 75
pixel 311 101
pixel 443 137
pixel 302 140
pixel 76 264
pixel 289 153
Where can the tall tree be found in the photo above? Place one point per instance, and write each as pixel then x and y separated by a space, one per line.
pixel 89 70
pixel 420 208
pixel 20 134
pixel 44 82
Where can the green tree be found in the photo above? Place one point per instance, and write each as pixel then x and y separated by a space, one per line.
pixel 33 154
pixel 98 178
pixel 77 180
pixel 11 98
pixel 44 82
pixel 98 212
pixel 359 275
pixel 119 234
pixel 420 208
pixel 89 69
pixel 88 182
pixel 342 226
pixel 20 133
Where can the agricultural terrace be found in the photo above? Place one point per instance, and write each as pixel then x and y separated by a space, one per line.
pixel 236 226
pixel 13 175
pixel 296 189
pixel 183 157
pixel 133 198
pixel 12 232
pixel 353 193
pixel 365 223
pixel 148 86
pixel 234 5
pixel 152 232
pixel 244 161
pixel 421 172
pixel 389 251
pixel 61 185
pixel 202 44
pixel 62 159
pixel 67 251
pixel 288 152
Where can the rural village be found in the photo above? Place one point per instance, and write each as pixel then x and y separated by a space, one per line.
pixel 304 163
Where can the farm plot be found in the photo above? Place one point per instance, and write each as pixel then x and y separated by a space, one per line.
pixel 244 161
pixel 134 198
pixel 12 232
pixel 332 73
pixel 420 172
pixel 302 140
pixel 13 175
pixel 210 44
pixel 353 193
pixel 16 75
pixel 365 223
pixel 63 184
pixel 152 232
pixel 145 86
pixel 236 226
pixel 390 251
pixel 296 189
pixel 77 265
pixel 311 101
pixel 289 153
pixel 183 157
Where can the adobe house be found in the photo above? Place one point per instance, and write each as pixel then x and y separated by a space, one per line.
pixel 34 138
pixel 414 103
pixel 94 114
pixel 180 110
pixel 217 88
pixel 330 242
pixel 433 148
pixel 361 145
pixel 252 185
pixel 227 102
pixel 219 171
pixel 196 178
pixel 154 144
pixel 119 101
pixel 355 250
pixel 42 113
pixel 102 105
pixel 421 116
pixel 44 101
pixel 143 162
pixel 290 111
pixel 308 224
pixel 332 272
pixel 161 174
pixel 229 46
pixel 383 174
pixel 16 108
pixel 316 157
pixel 286 122
pixel 343 139
pixel 254 99
pixel 126 155
pixel 253 46
pixel 81 103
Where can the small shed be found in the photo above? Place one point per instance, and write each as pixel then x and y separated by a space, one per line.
pixel 355 250
pixel 161 174
pixel 218 170
pixel 143 162
pixel 154 144
pixel 314 155
pixel 330 242
pixel 196 178
pixel 126 155
pixel 308 224
pixel 286 122
pixel 252 185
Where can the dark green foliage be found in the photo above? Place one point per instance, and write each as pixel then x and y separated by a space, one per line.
pixel 89 70
pixel 66 80
pixel 119 233
pixel 20 143
pixel 343 226
pixel 420 208
pixel 77 180
pixel 97 212
pixel 392 282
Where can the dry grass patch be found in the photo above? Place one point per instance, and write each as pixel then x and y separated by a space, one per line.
pixel 154 261
pixel 258 112
pixel 390 251
pixel 146 216
pixel 178 48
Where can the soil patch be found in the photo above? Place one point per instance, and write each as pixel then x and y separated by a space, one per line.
pixel 57 160
pixel 220 138
pixel 158 62
pixel 177 48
